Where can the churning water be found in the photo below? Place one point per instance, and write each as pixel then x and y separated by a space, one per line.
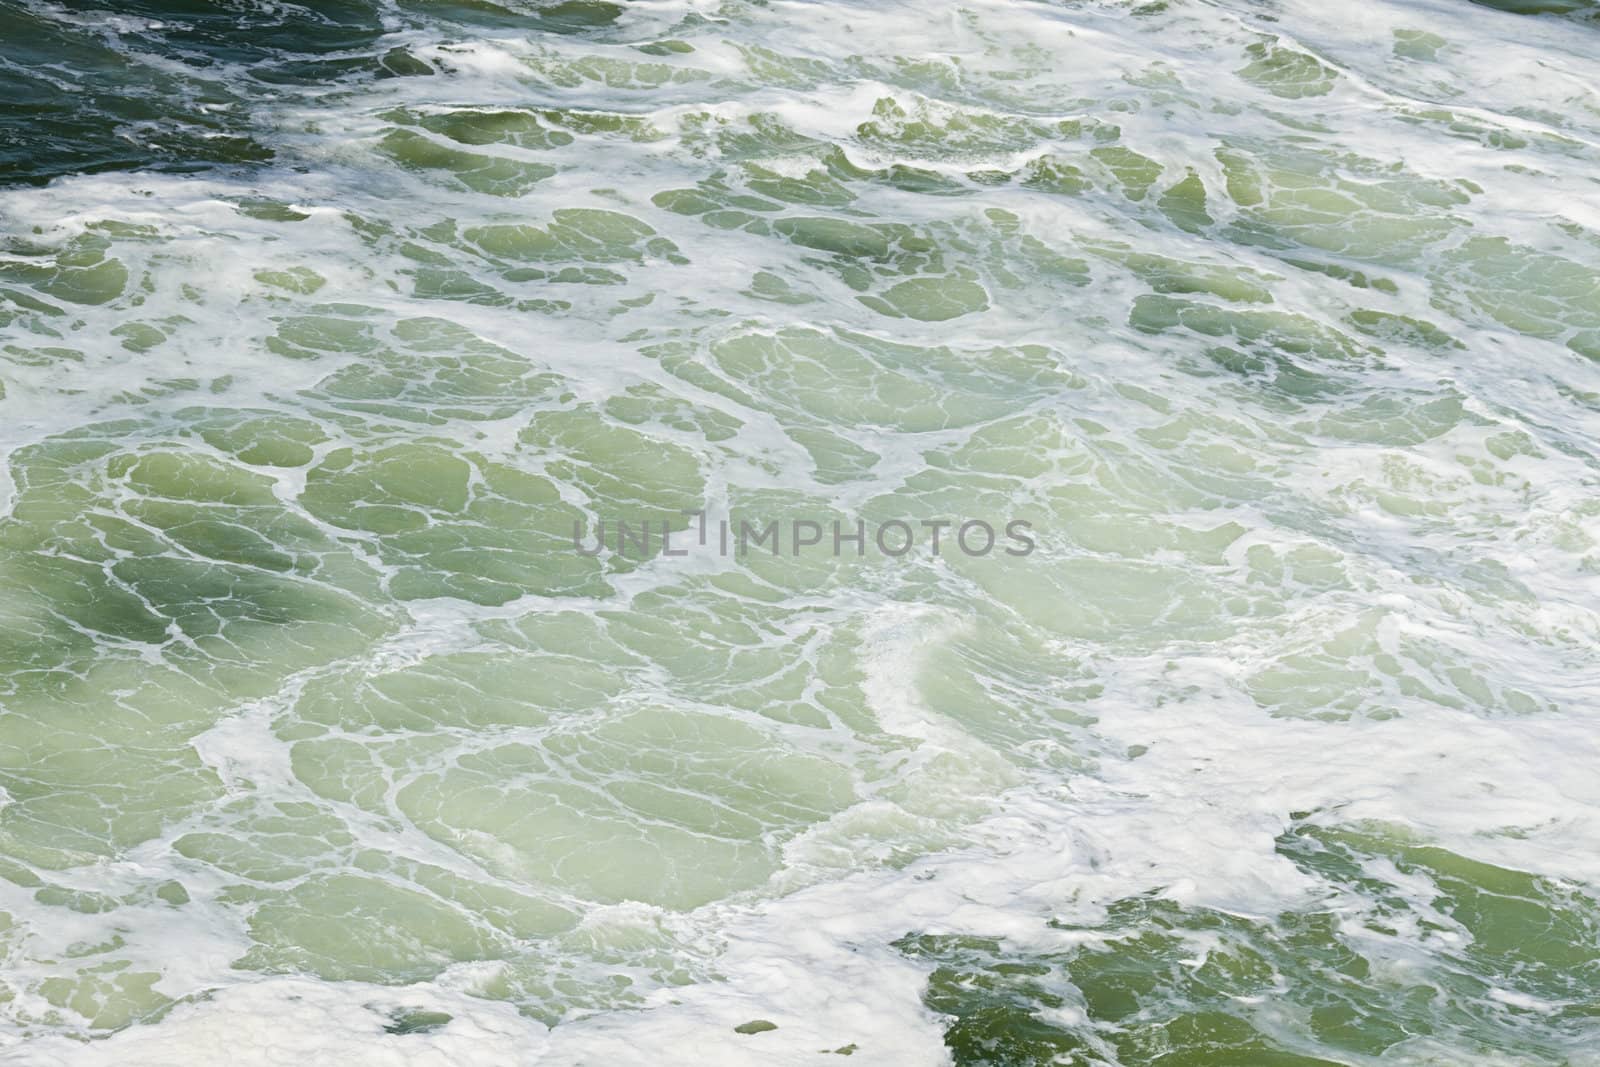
pixel 322 327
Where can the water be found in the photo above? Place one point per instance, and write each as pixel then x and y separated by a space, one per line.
pixel 321 742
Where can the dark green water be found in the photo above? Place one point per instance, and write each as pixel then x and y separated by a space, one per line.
pixel 177 86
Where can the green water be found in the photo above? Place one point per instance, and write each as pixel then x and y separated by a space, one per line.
pixel 340 724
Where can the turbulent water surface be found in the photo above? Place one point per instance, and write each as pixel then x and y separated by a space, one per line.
pixel 323 324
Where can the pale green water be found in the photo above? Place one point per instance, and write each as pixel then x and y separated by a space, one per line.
pixel 320 740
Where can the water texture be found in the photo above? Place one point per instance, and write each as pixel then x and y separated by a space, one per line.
pixel 323 325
